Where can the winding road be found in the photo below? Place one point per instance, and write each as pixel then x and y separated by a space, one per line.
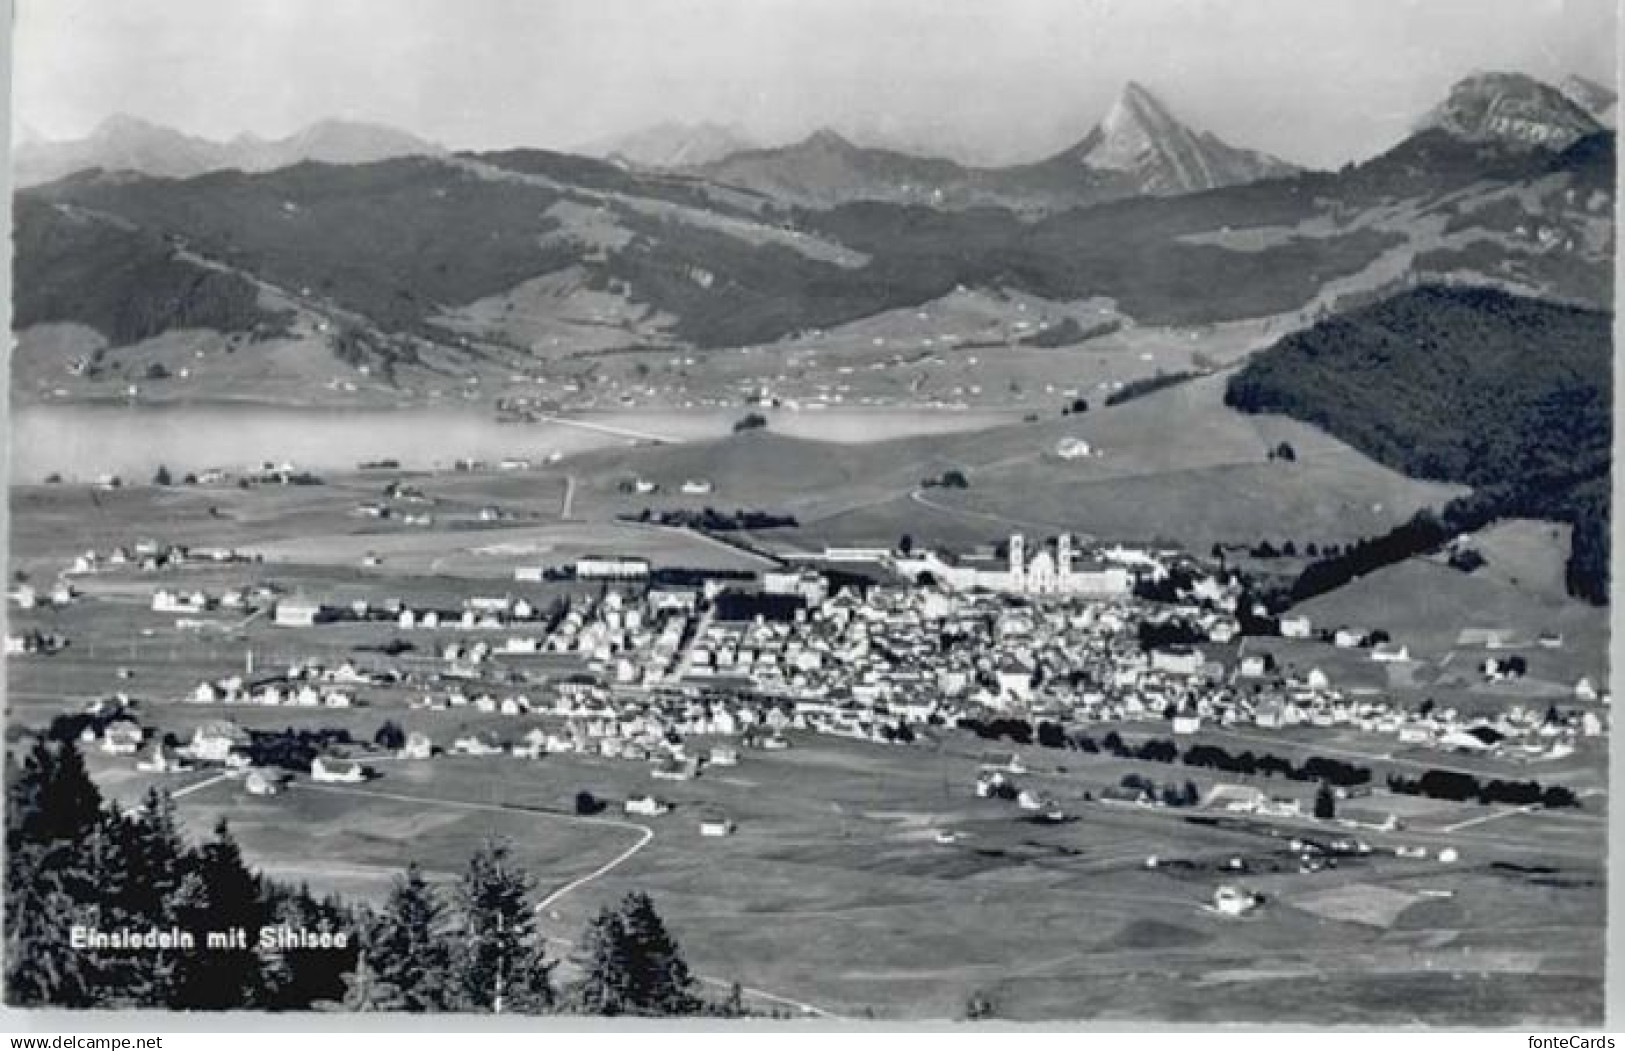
pixel 645 837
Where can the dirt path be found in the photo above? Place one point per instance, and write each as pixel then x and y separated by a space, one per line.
pixel 645 836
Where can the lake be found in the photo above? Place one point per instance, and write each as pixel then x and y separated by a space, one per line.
pixel 82 442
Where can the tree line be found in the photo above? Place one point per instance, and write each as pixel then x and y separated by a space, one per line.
pixel 1050 734
pixel 1458 787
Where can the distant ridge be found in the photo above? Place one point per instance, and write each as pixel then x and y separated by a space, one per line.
pixel 129 144
pixel 671 144
pixel 1139 149
pixel 1511 109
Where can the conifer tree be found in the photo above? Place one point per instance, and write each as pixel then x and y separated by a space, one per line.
pixel 501 964
pixel 409 951
pixel 219 893
pixel 606 986
pixel 52 811
pixel 632 964
pixel 660 976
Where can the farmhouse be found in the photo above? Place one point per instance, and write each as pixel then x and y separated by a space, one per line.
pixel 1070 448
pixel 716 826
pixel 417 746
pixel 1232 901
pixel 1349 638
pixel 331 769
pixel 257 783
pixel 1240 799
pixel 300 613
pixel 122 737
pixel 159 758
pixel 610 567
pixel 647 806
pixel 213 742
pixel 479 742
pixel 1296 627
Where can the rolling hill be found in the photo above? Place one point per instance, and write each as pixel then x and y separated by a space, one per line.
pixel 1507 394
pixel 499 261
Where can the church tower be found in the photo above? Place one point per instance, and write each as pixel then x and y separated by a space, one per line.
pixel 1063 560
pixel 1018 562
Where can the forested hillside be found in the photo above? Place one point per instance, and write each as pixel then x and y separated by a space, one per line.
pixel 1463 385
pixel 95 265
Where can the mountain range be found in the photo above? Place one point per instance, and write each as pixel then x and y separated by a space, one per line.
pixel 489 260
pixel 1139 148
pixel 128 144
pixel 671 145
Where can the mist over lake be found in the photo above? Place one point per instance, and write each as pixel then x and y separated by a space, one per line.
pixel 82 442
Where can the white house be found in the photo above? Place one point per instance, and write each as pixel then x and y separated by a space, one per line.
pixel 258 784
pixel 647 806
pixel 1297 627
pixel 1232 901
pixel 716 826
pixel 213 742
pixel 122 738
pixel 1349 638
pixel 1177 660
pixel 299 613
pixel 610 567
pixel 417 746
pixel 333 770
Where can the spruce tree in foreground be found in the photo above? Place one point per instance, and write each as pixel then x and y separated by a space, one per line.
pixel 633 965
pixel 501 964
pixel 606 988
pixel 408 953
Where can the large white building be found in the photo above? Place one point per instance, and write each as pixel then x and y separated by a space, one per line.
pixel 1050 570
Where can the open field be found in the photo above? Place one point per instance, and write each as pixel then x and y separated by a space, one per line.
pixel 1426 605
pixel 835 851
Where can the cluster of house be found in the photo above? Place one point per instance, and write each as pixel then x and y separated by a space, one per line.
pixel 301 686
pixel 480 612
pixel 657 734
pixel 997 782
pixel 34 641
pixel 26 596
pixel 166 600
pixel 219 744
pixel 151 555
pixel 625 640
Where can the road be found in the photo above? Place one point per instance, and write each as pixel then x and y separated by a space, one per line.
pixel 645 836
pixel 607 428
pixel 199 786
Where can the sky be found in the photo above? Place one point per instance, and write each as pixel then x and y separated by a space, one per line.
pixel 1318 82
